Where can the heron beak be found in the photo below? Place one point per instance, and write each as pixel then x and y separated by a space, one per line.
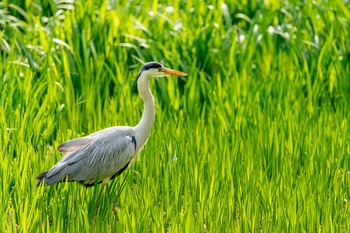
pixel 172 72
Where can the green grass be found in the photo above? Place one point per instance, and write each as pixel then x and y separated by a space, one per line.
pixel 255 138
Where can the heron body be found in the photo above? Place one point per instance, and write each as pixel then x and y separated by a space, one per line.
pixel 105 154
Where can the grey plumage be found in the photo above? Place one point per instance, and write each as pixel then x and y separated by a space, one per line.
pixel 102 154
pixel 105 154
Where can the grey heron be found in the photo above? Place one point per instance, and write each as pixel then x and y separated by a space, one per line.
pixel 105 154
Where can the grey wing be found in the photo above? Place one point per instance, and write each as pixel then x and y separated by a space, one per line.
pixel 107 153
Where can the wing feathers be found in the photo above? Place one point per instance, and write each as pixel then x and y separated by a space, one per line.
pixel 101 155
pixel 73 145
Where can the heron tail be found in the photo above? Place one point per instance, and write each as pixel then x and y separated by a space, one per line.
pixel 41 178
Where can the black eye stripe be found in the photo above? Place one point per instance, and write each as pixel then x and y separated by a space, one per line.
pixel 151 65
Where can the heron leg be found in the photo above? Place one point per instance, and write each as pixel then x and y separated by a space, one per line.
pixel 106 187
pixel 97 207
pixel 114 210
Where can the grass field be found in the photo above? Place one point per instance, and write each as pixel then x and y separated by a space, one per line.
pixel 254 139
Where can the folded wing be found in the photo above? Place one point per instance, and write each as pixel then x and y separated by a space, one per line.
pixel 100 156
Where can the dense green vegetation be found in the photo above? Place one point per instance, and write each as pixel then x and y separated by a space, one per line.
pixel 255 138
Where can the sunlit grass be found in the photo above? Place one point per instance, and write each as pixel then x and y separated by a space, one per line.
pixel 255 138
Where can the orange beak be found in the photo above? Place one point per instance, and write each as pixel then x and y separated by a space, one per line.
pixel 172 72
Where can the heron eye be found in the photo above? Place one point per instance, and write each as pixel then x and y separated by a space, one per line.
pixel 159 69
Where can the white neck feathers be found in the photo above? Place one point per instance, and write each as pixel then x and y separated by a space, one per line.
pixel 143 128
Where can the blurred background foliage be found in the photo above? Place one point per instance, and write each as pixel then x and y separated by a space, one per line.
pixel 227 40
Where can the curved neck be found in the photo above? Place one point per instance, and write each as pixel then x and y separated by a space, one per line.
pixel 143 128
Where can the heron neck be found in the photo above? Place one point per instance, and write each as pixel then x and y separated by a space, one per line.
pixel 143 128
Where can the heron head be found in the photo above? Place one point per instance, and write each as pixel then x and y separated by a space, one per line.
pixel 155 69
